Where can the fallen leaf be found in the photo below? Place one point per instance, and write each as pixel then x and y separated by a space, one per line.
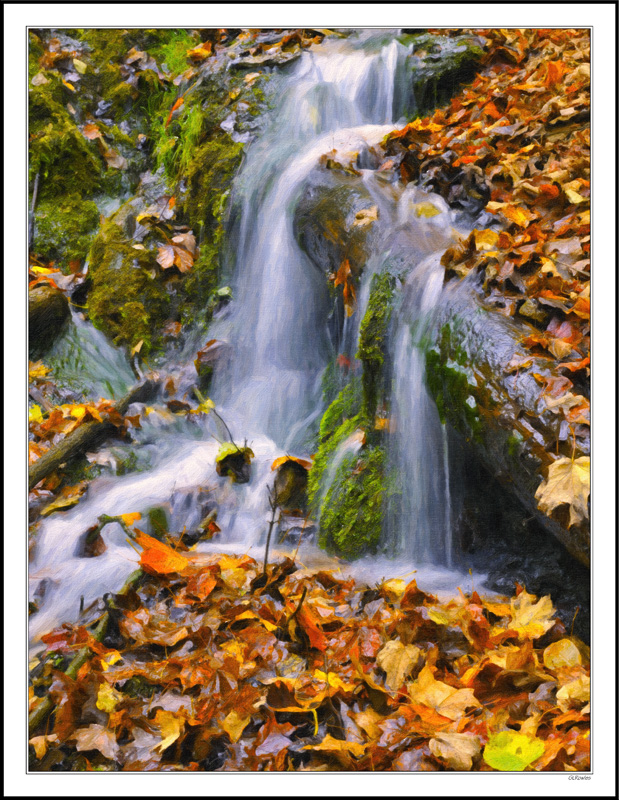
pixel 531 619
pixel 509 751
pixel 107 698
pixel 170 727
pixel 444 699
pixel 40 743
pixel 234 725
pixel 157 557
pixel 561 654
pixel 97 737
pixel 568 483
pixel 457 750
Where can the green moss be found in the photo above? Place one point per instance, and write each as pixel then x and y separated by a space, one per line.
pixel 453 385
pixel 351 514
pixel 373 339
pixel 64 228
pixel 127 300
pixel 64 159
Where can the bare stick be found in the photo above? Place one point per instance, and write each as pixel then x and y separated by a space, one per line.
pixel 273 504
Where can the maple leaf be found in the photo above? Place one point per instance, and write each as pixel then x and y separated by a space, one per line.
pixel 531 619
pixel 397 660
pixel 457 750
pixel 157 557
pixel 568 483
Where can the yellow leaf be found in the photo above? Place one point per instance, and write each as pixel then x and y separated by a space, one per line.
pixel 80 66
pixel 574 197
pixel 35 414
pixel 517 215
pixel 457 750
pixel 394 589
pixel 531 619
pixel 40 743
pixel 332 745
pixel 568 482
pixel 444 699
pixel 509 751
pixel 107 698
pixel 109 659
pixel 334 680
pixel 129 519
pixel 561 654
pixel 486 239
pixel 574 693
pixel 427 210
pixel 397 659
pixel 234 725
pixel 170 727
pixel 37 369
pixel 137 347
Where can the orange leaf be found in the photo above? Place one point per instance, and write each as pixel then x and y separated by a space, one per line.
pixel 174 108
pixel 283 459
pixel 157 557
pixel 308 623
pixel 166 255
pixel 555 70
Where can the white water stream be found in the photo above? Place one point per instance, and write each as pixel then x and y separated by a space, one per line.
pixel 340 95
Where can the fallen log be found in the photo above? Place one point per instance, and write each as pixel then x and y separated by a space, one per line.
pixel 87 436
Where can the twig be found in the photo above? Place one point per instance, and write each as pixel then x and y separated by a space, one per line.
pixel 273 504
pixel 35 191
pixel 201 399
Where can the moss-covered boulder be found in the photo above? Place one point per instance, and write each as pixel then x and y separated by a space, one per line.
pixel 63 230
pixel 128 299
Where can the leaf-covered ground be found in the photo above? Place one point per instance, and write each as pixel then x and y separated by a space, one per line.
pixel 516 143
pixel 205 663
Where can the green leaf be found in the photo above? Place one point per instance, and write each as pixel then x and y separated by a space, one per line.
pixel 509 751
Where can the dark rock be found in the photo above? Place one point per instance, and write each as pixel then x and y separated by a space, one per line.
pixel 48 310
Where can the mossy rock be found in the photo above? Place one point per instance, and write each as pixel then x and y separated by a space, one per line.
pixel 64 228
pixel 59 152
pixel 128 300
pixel 373 339
pixel 352 512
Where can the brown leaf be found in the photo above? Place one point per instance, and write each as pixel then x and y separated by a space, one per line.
pixel 97 737
pixel 456 750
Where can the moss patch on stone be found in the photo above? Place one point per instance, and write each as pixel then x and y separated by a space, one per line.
pixel 352 511
pixel 373 337
pixel 128 300
pixel 453 385
pixel 64 228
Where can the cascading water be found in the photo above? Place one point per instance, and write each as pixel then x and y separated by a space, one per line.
pixel 343 95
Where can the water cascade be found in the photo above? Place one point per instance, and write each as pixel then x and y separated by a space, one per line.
pixel 343 95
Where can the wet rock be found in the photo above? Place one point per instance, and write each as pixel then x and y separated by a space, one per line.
pixel 291 486
pixel 234 462
pixel 48 310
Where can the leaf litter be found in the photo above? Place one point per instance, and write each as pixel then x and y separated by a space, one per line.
pixel 207 666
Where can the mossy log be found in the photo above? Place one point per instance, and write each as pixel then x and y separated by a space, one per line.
pixel 48 310
pixel 497 407
pixel 88 435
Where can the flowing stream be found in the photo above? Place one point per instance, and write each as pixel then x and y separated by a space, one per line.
pixel 342 95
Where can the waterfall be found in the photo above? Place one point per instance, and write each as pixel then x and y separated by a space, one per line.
pixel 345 95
